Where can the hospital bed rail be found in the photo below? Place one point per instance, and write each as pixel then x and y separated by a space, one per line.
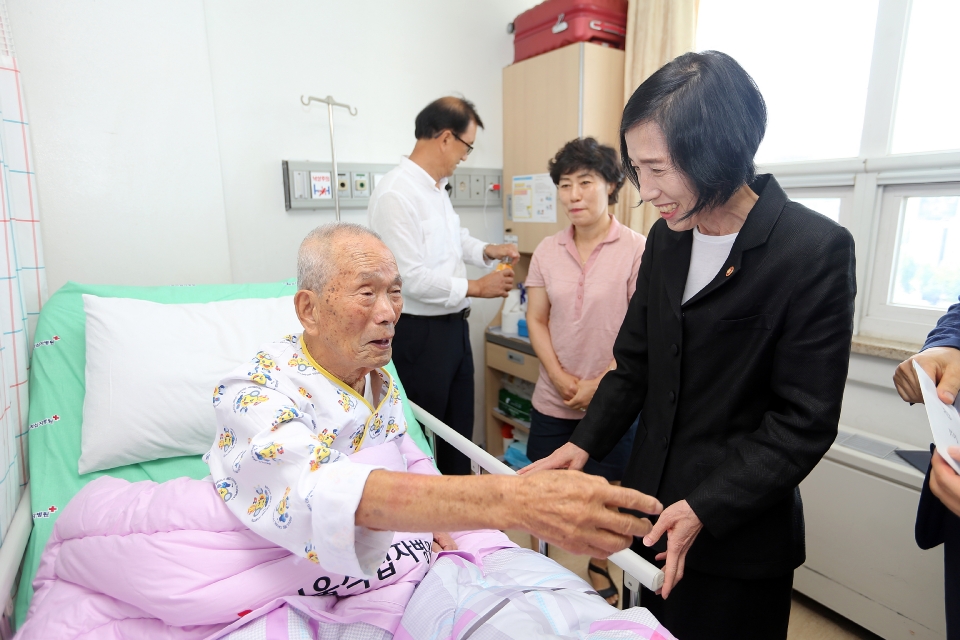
pixel 15 543
pixel 636 570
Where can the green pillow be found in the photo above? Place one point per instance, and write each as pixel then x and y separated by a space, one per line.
pixel 56 405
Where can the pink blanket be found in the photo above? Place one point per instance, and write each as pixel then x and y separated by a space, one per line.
pixel 147 560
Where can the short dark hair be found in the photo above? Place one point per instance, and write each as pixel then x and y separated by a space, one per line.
pixel 713 117
pixel 449 113
pixel 588 154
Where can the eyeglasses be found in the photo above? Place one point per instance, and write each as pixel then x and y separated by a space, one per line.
pixel 466 144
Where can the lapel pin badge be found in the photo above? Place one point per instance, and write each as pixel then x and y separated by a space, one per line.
pixel 729 271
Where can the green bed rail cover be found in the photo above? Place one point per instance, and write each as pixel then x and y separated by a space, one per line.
pixel 56 405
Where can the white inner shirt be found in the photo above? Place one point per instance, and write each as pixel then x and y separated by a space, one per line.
pixel 706 259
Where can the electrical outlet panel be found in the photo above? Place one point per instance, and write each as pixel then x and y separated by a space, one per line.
pixel 492 188
pixel 476 187
pixel 301 184
pixel 309 185
pixel 461 186
pixel 361 184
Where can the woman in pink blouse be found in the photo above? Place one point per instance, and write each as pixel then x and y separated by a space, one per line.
pixel 579 285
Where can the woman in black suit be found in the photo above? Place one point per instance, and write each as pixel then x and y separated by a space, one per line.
pixel 735 348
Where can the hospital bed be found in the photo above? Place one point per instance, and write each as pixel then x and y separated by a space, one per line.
pixel 56 403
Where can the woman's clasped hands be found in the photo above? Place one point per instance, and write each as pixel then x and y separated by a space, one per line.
pixel 576 393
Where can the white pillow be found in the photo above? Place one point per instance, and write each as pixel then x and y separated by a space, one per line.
pixel 151 370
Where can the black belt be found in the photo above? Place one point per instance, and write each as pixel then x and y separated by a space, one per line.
pixel 462 314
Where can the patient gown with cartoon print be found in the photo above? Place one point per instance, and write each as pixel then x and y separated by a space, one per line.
pixel 294 448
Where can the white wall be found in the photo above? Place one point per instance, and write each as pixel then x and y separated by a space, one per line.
pixel 120 101
pixel 389 59
pixel 871 403
pixel 159 128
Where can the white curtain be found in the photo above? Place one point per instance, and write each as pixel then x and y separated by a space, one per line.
pixel 657 32
pixel 23 286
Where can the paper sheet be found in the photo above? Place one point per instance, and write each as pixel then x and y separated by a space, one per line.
pixel 534 198
pixel 944 418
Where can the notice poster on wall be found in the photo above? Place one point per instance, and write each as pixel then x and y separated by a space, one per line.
pixel 320 185
pixel 534 198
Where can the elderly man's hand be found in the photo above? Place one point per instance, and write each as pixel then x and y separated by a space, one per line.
pixel 681 525
pixel 942 364
pixel 944 481
pixel 443 542
pixel 578 512
pixel 501 251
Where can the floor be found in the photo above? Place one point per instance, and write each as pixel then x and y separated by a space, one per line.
pixel 808 619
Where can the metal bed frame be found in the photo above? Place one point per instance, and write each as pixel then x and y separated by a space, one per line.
pixel 636 570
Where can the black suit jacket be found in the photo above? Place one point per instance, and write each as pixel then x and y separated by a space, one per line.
pixel 740 387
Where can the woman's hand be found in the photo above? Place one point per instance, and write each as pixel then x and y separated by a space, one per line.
pixel 682 526
pixel 567 385
pixel 585 391
pixel 569 456
pixel 443 542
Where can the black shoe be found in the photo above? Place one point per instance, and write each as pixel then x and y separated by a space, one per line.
pixel 609 592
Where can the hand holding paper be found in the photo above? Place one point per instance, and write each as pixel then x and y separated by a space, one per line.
pixel 944 418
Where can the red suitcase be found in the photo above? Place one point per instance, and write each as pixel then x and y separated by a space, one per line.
pixel 557 23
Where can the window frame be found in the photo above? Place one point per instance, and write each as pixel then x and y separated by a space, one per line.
pixel 843 193
pixel 868 177
pixel 880 318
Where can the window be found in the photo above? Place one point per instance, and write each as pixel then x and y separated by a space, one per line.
pixel 927 266
pixel 811 61
pixel 829 207
pixel 917 268
pixel 834 202
pixel 863 98
pixel 929 94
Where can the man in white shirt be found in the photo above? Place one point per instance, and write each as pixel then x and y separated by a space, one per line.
pixel 411 211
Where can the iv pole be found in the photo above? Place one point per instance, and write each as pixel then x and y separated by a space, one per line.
pixel 335 179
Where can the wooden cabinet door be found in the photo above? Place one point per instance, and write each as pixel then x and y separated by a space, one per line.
pixel 549 100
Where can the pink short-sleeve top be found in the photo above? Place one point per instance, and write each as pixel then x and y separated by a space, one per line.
pixel 587 304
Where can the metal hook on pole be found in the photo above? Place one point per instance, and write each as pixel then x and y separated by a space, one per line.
pixel 331 103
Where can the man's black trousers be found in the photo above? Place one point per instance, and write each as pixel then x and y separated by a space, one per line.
pixel 435 363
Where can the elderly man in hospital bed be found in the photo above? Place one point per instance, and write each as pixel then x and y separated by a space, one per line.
pixel 312 452
pixel 314 481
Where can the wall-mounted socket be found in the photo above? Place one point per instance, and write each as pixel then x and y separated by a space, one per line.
pixel 343 184
pixel 361 184
pixel 462 187
pixel 476 187
pixel 301 184
pixel 492 187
